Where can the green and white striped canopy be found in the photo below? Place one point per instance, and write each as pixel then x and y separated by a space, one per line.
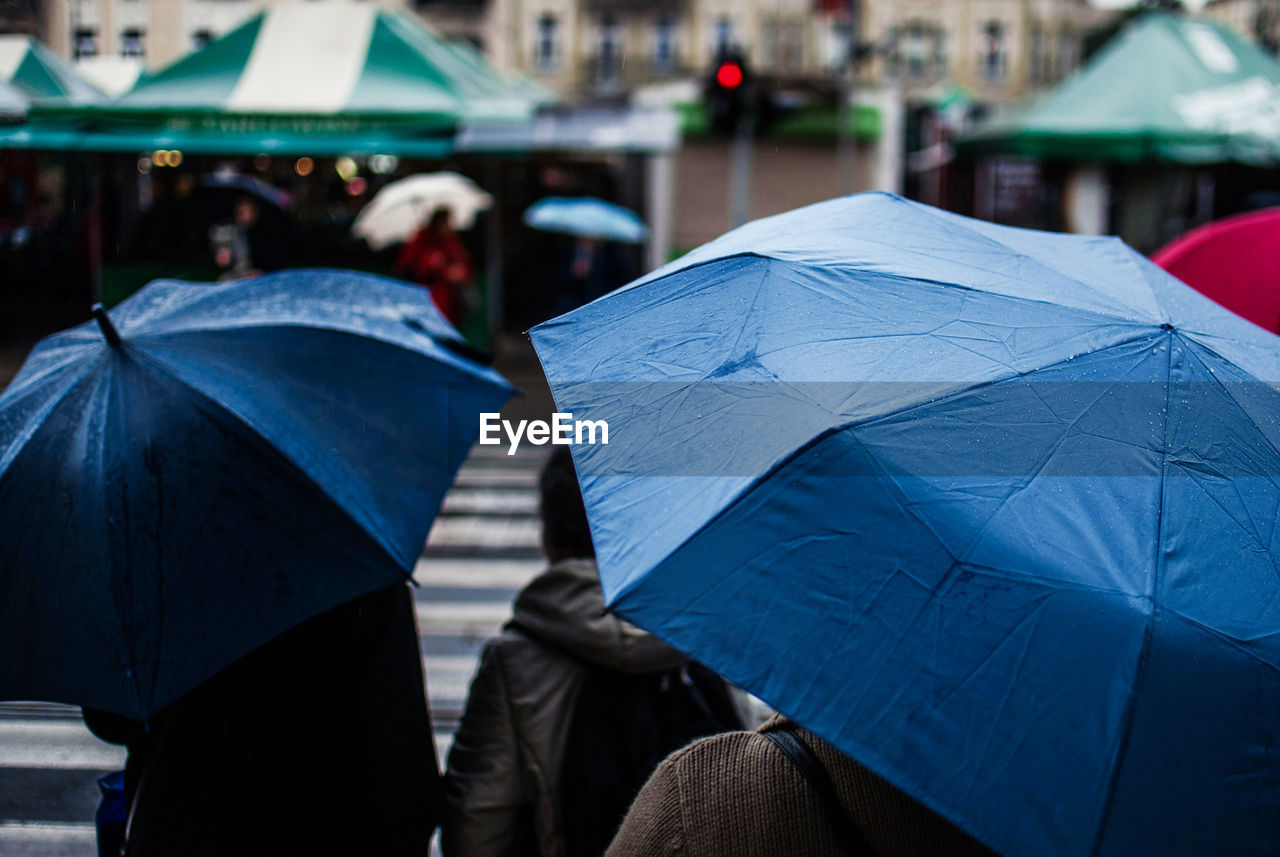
pixel 39 75
pixel 319 78
pixel 1168 88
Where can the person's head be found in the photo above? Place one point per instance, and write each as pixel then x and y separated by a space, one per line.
pixel 565 532
pixel 246 212
pixel 440 221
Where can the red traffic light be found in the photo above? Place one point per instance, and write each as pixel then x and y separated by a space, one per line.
pixel 729 75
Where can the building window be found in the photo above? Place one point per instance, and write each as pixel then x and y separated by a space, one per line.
pixel 992 53
pixel 200 38
pixel 1039 55
pixel 915 45
pixel 783 44
pixel 664 45
pixel 131 42
pixel 724 36
pixel 609 64
pixel 838 43
pixel 919 51
pixel 545 49
pixel 791 57
pixel 1068 52
pixel 86 43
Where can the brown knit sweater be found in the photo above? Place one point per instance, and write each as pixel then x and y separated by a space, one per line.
pixel 737 795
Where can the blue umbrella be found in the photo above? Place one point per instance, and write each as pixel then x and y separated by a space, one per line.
pixel 212 464
pixel 992 510
pixel 586 217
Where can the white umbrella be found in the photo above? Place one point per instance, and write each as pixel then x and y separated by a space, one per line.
pixel 397 210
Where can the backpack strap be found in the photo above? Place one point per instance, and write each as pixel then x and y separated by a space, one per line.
pixel 851 839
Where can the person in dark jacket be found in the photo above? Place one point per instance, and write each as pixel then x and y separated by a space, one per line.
pixel 318 743
pixel 503 786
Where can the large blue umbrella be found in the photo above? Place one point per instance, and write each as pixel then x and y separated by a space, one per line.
pixel 992 510
pixel 210 465
pixel 586 217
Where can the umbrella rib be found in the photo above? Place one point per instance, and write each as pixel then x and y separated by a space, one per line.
pixel 1227 639
pixel 70 383
pixel 1226 390
pixel 1148 635
pixel 441 352
pixel 1040 264
pixel 1111 318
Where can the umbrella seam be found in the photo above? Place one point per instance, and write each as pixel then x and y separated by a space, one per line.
pixel 1148 636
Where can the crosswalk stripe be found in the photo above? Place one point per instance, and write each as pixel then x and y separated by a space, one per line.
pixel 506 573
pixel 62 743
pixel 46 839
pixel 473 619
pixel 490 501
pixel 484 533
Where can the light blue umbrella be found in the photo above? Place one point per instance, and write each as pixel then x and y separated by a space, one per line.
pixel 209 465
pixel 992 510
pixel 587 217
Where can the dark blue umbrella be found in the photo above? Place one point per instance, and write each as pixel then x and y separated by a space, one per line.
pixel 213 464
pixel 993 510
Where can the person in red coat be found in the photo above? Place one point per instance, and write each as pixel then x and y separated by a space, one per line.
pixel 436 258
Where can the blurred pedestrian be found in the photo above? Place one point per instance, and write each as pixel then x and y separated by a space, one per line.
pixel 247 247
pixel 436 258
pixel 318 743
pixel 571 708
pixel 780 791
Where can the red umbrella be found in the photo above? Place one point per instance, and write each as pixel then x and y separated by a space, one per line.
pixel 1235 261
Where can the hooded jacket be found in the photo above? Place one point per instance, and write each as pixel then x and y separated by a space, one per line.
pixel 504 766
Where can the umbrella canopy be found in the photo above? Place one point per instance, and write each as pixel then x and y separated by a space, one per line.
pixel 586 217
pixel 1168 88
pixel 39 74
pixel 1235 261
pixel 234 459
pixel 989 509
pixel 397 210
pixel 317 78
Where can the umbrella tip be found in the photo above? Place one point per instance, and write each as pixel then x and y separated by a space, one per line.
pixel 109 332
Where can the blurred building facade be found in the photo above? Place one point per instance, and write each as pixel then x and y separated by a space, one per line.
pixel 1258 20
pixel 996 49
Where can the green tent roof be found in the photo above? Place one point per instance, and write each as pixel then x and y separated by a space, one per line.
pixel 1168 88
pixel 29 67
pixel 318 78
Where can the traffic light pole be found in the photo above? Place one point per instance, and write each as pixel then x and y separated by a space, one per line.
pixel 740 172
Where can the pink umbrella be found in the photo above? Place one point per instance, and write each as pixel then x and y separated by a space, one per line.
pixel 1234 261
